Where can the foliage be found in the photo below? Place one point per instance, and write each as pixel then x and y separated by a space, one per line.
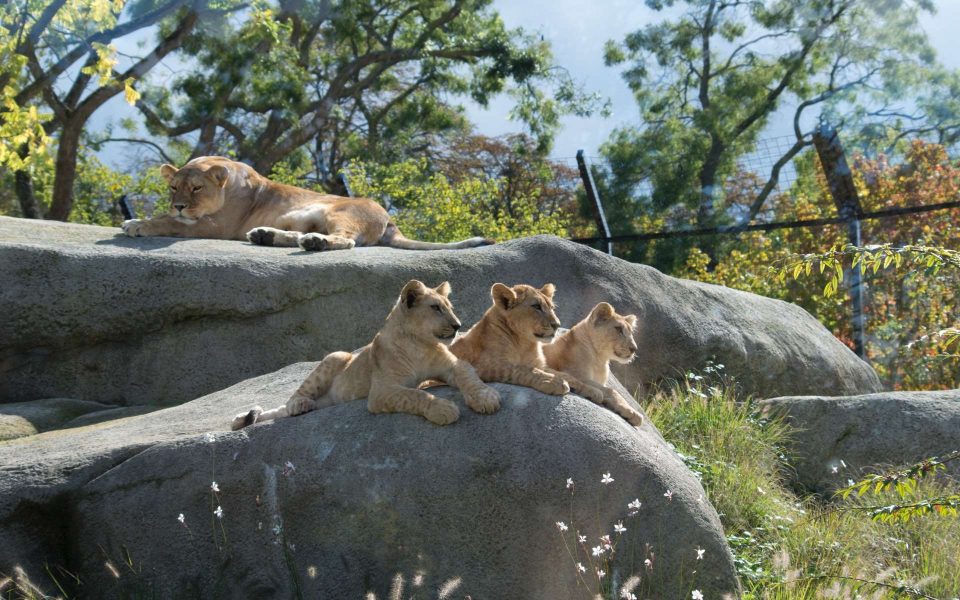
pixel 708 80
pixel 365 79
pixel 790 547
pixel 908 312
pixel 431 207
pixel 904 482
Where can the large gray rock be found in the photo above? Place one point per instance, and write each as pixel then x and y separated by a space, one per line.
pixel 162 320
pixel 18 419
pixel 339 502
pixel 867 433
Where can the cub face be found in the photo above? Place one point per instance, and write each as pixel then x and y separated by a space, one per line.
pixel 614 331
pixel 429 310
pixel 195 191
pixel 528 311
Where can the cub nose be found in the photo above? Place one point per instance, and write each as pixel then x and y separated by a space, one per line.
pixel 633 348
pixel 179 207
pixel 457 326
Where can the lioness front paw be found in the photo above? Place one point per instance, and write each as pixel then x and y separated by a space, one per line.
pixel 485 401
pixel 632 416
pixel 299 405
pixel 441 412
pixel 134 227
pixel 261 236
pixel 247 418
pixel 593 394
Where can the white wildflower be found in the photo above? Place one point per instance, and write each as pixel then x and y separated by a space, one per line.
pixel 582 539
pixel 569 483
pixel 619 528
pixel 598 550
pixel 696 595
pixel 606 478
pixel 215 487
pixel 581 568
pixel 835 469
pixel 700 552
pixel 181 519
pixel 605 540
pixel 218 512
pixel 668 495
pixel 600 573
pixel 561 526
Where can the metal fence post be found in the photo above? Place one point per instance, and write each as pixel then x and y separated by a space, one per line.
pixel 844 192
pixel 595 205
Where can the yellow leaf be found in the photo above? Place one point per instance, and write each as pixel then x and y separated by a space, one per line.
pixel 129 92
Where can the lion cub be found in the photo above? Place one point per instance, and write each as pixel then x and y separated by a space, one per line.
pixel 409 349
pixel 587 349
pixel 506 345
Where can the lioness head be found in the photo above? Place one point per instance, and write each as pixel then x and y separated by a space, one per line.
pixel 527 310
pixel 428 311
pixel 196 190
pixel 613 332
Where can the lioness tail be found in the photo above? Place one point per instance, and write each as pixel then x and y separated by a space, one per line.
pixel 393 238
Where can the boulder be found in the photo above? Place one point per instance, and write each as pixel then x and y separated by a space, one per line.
pixel 93 315
pixel 868 433
pixel 339 503
pixel 18 419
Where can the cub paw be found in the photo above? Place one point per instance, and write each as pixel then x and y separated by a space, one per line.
pixel 554 386
pixel 245 419
pixel 299 405
pixel 594 394
pixel 313 242
pixel 485 401
pixel 632 416
pixel 134 227
pixel 261 236
pixel 441 412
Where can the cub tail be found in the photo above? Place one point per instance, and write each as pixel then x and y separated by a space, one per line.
pixel 394 239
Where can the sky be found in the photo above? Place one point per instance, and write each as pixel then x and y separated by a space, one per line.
pixel 577 31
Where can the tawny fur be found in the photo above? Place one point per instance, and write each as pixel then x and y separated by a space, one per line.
pixel 585 351
pixel 215 197
pixel 410 349
pixel 506 345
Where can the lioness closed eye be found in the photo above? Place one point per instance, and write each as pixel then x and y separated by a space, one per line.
pixel 215 197
pixel 410 349
pixel 585 351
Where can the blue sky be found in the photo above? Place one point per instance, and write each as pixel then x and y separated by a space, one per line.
pixel 577 31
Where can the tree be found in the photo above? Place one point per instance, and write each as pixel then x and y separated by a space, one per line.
pixel 62 57
pixel 365 78
pixel 708 82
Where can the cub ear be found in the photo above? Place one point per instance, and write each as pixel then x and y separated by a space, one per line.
pixel 601 312
pixel 218 174
pixel 631 320
pixel 411 292
pixel 168 171
pixel 443 289
pixel 548 290
pixel 503 296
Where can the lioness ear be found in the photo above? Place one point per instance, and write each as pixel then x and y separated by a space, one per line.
pixel 168 171
pixel 548 290
pixel 632 321
pixel 219 174
pixel 601 312
pixel 443 289
pixel 502 295
pixel 413 290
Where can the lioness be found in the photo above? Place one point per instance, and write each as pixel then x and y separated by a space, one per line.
pixel 215 197
pixel 409 349
pixel 506 344
pixel 585 351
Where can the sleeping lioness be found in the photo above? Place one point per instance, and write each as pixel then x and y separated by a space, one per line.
pixel 411 348
pixel 215 197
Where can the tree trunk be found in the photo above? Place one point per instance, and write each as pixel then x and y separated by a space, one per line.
pixel 23 186
pixel 66 173
pixel 706 212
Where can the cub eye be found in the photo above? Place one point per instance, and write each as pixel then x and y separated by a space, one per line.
pixel 197 188
pixel 537 306
pixel 173 188
pixel 620 329
pixel 436 307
